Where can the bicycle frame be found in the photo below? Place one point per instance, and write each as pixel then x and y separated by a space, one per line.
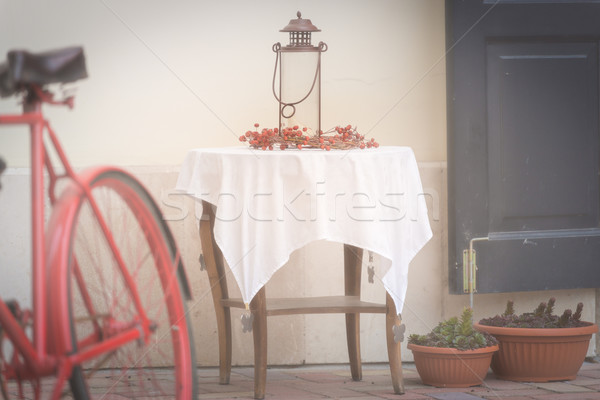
pixel 34 354
pixel 38 359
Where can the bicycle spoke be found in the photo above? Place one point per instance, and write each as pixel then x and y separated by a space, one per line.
pixel 124 278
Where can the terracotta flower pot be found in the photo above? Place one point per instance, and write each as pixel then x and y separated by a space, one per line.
pixel 448 367
pixel 539 355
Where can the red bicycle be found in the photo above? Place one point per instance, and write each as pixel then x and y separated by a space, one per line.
pixel 108 286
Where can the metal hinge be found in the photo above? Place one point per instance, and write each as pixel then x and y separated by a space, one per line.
pixel 469 282
pixel 202 262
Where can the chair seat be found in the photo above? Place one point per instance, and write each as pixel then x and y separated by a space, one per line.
pixel 313 305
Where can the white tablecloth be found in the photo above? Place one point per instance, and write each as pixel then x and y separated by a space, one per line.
pixel 270 203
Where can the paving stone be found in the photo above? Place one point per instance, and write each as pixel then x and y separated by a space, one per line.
pixel 330 390
pixel 455 396
pixel 411 384
pixel 375 372
pixel 370 397
pixel 495 396
pixel 392 396
pixel 373 388
pixel 320 377
pixel 500 384
pixel 595 364
pixel 569 396
pixel 430 390
pixel 590 373
pixel 290 392
pixel 215 387
pixel 231 395
pixel 561 387
pixel 584 381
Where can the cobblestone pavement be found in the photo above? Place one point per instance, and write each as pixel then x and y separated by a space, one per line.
pixel 334 382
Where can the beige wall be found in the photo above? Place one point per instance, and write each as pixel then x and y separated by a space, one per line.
pixel 169 76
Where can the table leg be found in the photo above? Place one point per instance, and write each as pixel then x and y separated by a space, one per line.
pixel 352 271
pixel 213 258
pixel 258 306
pixel 394 349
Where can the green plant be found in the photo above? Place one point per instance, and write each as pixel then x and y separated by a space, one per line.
pixel 542 317
pixel 455 333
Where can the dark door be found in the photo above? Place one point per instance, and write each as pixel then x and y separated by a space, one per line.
pixel 524 143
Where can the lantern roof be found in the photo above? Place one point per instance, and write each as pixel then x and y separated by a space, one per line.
pixel 300 25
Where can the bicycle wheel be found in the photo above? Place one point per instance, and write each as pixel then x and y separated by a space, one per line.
pixel 135 285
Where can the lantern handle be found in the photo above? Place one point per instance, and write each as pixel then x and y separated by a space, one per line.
pixel 277 49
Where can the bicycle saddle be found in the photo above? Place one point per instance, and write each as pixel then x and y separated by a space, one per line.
pixel 23 68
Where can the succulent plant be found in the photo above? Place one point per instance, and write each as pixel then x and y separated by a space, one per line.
pixel 455 333
pixel 542 317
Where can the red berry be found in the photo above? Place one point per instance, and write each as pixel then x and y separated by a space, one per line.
pixel 283 147
pixel 276 130
pixel 304 129
pixel 295 127
pixel 327 148
pixel 256 125
pixel 299 146
pixel 270 147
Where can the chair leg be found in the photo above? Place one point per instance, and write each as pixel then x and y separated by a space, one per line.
pixel 394 349
pixel 224 329
pixel 353 338
pixel 213 259
pixel 258 307
pixel 352 270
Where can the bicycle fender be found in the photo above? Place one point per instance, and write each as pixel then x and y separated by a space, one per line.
pixel 57 250
pixel 90 175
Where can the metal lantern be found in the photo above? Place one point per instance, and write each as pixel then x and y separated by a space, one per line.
pixel 299 64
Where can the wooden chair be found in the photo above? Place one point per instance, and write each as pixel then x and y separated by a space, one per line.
pixel 261 308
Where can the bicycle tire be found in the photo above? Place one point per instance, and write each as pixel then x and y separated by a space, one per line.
pixel 161 363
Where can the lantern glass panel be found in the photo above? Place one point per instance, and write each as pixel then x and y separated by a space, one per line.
pixel 299 74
